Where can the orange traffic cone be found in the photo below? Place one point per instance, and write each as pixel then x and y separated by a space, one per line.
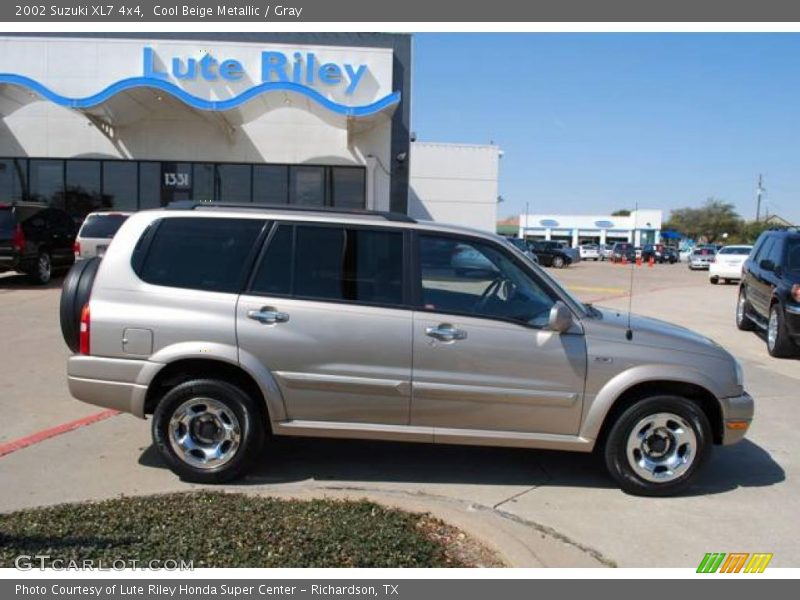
pixel 638 261
pixel 624 260
pixel 651 261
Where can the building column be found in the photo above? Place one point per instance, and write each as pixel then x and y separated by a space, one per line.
pixel 603 236
pixel 547 234
pixel 637 237
pixel 371 164
pixel 575 238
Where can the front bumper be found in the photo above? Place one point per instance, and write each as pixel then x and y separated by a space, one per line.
pixel 737 415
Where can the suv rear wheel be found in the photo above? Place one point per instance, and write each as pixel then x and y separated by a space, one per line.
pixel 657 446
pixel 779 344
pixel 42 270
pixel 743 322
pixel 558 262
pixel 207 431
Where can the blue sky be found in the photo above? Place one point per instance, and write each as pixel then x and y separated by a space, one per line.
pixel 594 122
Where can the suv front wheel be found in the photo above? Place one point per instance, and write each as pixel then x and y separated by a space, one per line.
pixel 207 431
pixel 657 446
pixel 779 344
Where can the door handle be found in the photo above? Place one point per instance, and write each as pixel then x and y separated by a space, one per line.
pixel 446 333
pixel 268 315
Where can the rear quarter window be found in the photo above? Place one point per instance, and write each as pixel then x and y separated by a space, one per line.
pixel 101 226
pixel 198 253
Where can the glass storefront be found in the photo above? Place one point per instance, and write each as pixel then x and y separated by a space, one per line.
pixel 82 185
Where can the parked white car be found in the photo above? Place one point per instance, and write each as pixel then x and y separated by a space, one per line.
pixel 589 252
pixel 728 263
pixel 96 233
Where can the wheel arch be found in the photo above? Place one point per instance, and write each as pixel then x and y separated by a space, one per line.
pixel 186 368
pixel 598 425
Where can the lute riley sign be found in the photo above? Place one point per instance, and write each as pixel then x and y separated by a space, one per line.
pixel 302 68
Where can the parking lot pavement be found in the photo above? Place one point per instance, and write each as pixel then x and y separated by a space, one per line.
pixel 746 500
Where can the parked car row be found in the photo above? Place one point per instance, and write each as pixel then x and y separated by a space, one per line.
pixel 40 240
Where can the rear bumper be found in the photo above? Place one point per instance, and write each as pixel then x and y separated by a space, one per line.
pixel 108 382
pixel 737 415
pixel 725 271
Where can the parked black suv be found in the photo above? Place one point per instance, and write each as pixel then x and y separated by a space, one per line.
pixel 550 254
pixel 769 294
pixel 36 240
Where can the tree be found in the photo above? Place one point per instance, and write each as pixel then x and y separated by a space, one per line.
pixel 750 231
pixel 709 221
pixel 622 212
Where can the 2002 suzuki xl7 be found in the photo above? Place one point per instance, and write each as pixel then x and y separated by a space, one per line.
pixel 228 324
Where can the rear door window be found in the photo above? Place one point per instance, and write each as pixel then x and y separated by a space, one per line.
pixel 199 253
pixel 7 219
pixel 357 265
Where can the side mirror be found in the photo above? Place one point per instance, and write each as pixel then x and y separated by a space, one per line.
pixel 560 318
pixel 767 265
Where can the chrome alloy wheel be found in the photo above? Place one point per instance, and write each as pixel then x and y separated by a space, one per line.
pixel 740 312
pixel 204 433
pixel 661 447
pixel 772 329
pixel 43 268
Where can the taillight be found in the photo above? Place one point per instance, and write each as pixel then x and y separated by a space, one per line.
pixel 83 341
pixel 796 292
pixel 76 249
pixel 18 241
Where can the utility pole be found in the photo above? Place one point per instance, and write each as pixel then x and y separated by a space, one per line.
pixel 525 230
pixel 759 192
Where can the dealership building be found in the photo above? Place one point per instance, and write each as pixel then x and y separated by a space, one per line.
pixel 639 227
pixel 135 121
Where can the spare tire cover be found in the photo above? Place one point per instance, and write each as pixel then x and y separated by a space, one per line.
pixel 74 295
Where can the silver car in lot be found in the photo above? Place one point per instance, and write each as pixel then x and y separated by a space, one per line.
pixel 701 258
pixel 227 325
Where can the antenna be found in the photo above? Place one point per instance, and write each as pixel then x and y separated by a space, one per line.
pixel 629 331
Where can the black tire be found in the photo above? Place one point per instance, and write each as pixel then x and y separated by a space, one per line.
pixel 783 347
pixel 43 269
pixel 743 322
pixel 714 280
pixel 75 293
pixel 558 262
pixel 618 461
pixel 251 428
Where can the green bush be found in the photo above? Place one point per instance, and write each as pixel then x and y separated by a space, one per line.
pixel 225 530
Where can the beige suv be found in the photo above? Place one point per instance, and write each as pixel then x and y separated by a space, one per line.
pixel 232 324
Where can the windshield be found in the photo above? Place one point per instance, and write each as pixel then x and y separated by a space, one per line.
pixel 740 250
pixel 101 226
pixel 703 252
pixel 793 255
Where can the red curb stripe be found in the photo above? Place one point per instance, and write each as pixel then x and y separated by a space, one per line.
pixel 46 434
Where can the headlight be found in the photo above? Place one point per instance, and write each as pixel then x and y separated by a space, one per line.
pixel 739 373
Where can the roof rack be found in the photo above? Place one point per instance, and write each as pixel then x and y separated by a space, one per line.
pixel 384 214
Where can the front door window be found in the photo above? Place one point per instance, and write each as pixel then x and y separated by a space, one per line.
pixel 476 279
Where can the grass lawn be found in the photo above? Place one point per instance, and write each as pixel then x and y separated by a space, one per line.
pixel 215 529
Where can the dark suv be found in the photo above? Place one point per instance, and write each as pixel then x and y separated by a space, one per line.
pixel 769 295
pixel 36 240
pixel 550 254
